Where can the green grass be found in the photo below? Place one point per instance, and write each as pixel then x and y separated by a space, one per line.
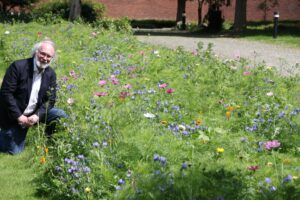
pixel 17 176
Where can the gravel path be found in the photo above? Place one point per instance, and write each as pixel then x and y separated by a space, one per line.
pixel 286 60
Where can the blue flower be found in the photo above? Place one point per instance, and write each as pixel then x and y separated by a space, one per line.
pixel 86 169
pixel 268 180
pixel 156 157
pixel 121 181
pixel 184 165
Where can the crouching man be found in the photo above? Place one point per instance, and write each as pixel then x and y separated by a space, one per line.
pixel 27 97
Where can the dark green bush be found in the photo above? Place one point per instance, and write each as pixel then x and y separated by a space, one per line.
pixel 59 10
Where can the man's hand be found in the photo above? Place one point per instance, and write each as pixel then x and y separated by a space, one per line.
pixel 23 121
pixel 33 119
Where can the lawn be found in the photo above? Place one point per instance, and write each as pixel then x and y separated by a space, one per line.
pixel 147 122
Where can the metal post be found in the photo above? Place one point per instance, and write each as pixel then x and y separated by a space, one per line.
pixel 276 17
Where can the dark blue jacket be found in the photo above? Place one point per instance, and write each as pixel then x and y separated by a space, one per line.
pixel 16 88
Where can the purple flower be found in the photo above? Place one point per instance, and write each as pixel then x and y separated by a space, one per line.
pixel 287 178
pixel 81 157
pixel 272 144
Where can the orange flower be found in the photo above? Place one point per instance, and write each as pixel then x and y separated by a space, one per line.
pixel 42 160
pixel 198 122
pixel 230 108
pixel 228 114
pixel 46 150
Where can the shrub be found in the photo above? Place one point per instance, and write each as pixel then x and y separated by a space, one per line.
pixel 55 11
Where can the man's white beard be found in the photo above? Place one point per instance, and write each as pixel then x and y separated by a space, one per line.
pixel 41 65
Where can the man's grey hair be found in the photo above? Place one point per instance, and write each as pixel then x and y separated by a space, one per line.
pixel 37 46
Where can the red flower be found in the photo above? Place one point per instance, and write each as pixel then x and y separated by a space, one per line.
pixel 171 90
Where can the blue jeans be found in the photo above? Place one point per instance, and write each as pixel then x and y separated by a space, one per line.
pixel 12 140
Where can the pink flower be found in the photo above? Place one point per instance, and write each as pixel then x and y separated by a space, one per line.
pixel 73 74
pixel 115 81
pixel 127 86
pixel 39 33
pixel 102 82
pixel 272 144
pixel 100 94
pixel 64 78
pixel 195 52
pixel 130 55
pixel 253 168
pixel 123 95
pixel 94 34
pixel 247 73
pixel 171 90
pixel 162 85
pixel 142 52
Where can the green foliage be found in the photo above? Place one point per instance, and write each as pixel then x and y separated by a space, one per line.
pixel 147 122
pixel 55 11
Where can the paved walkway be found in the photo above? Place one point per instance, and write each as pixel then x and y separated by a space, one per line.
pixel 286 60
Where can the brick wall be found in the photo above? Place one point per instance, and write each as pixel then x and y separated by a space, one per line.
pixel 166 9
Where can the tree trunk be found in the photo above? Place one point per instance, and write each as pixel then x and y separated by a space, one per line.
pixel 200 5
pixel 240 17
pixel 75 9
pixel 180 10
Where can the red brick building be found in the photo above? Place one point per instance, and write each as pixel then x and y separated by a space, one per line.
pixel 166 9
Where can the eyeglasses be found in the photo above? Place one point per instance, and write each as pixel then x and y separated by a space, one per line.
pixel 45 55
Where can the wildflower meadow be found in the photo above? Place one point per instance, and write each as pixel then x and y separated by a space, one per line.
pixel 147 122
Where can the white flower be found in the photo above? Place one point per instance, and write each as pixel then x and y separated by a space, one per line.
pixel 270 94
pixel 156 53
pixel 70 101
pixel 149 115
pixel 6 32
pixel 181 127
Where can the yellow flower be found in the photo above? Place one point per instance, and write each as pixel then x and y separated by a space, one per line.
pixel 238 107
pixel 269 164
pixel 295 177
pixel 38 147
pixel 87 189
pixel 198 122
pixel 42 160
pixel 164 122
pixel 220 150
pixel 46 150
pixel 228 114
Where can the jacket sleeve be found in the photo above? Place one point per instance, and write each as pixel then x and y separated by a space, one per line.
pixel 49 98
pixel 9 87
